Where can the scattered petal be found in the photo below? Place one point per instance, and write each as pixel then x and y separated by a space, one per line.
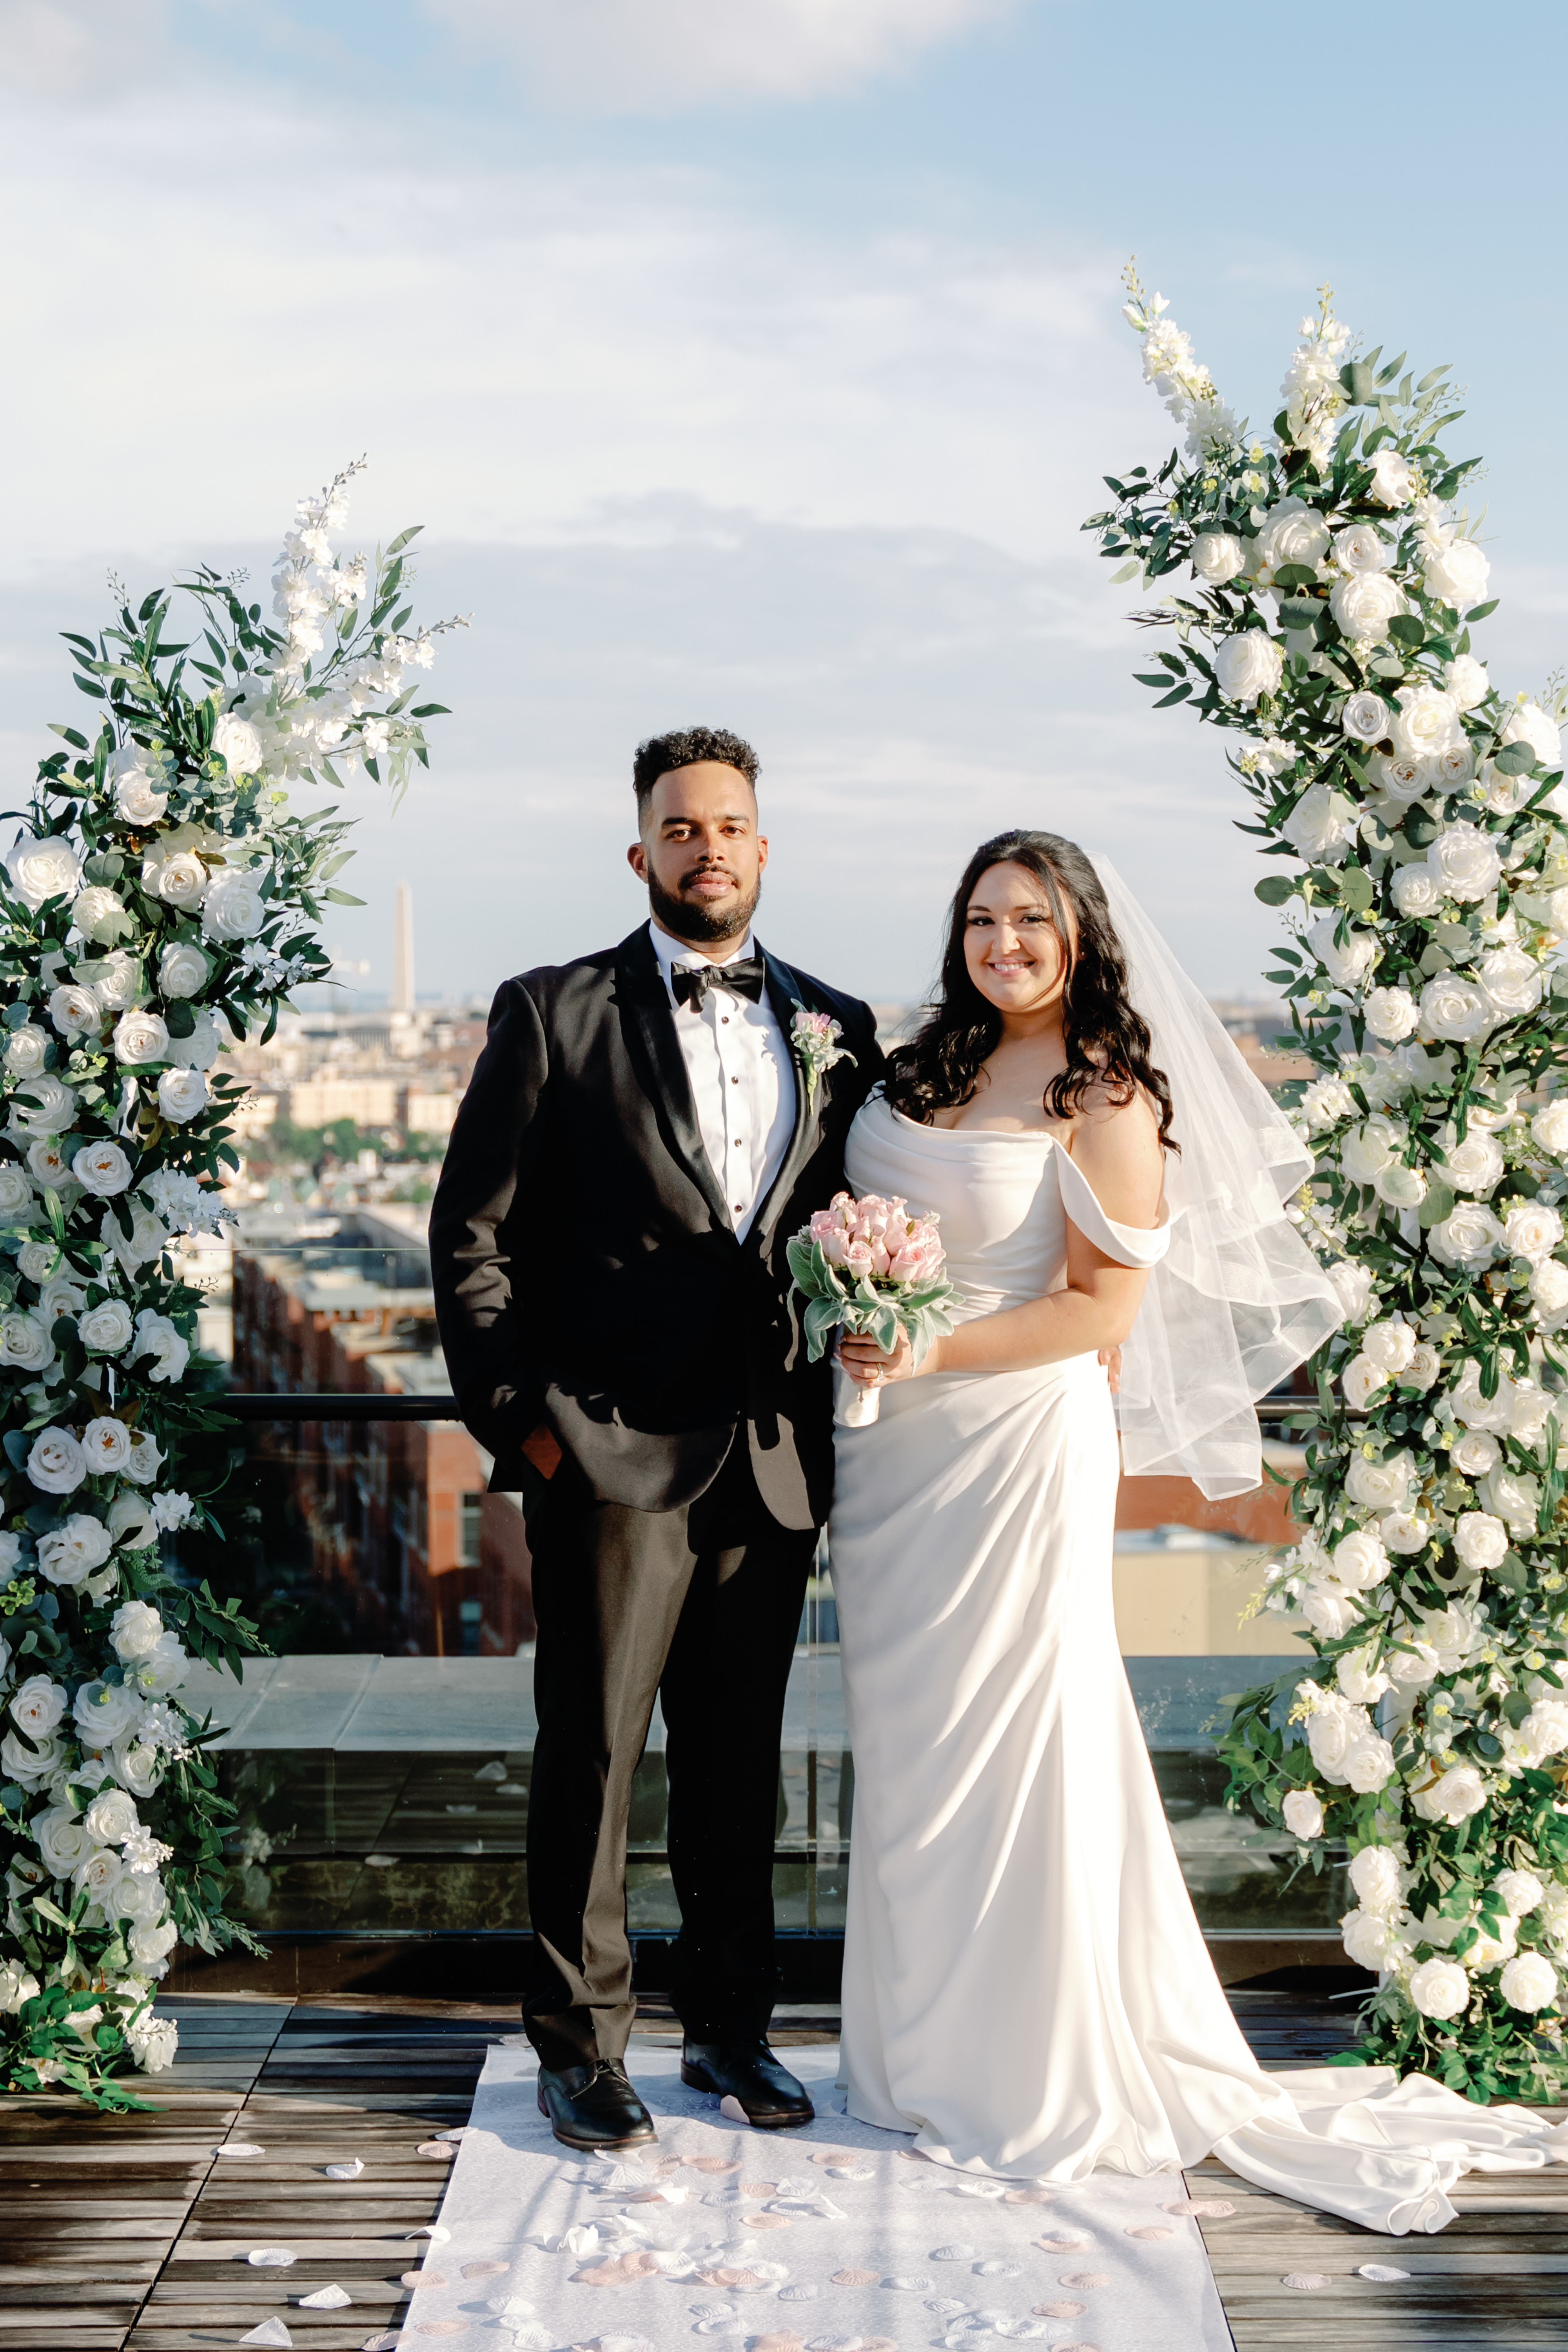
pixel 430 2230
pixel 994 2269
pixel 326 2298
pixel 708 2164
pixel 270 2258
pixel 385 2342
pixel 1381 2273
pixel 434 2147
pixel 715 2310
pixel 1306 2282
pixel 490 1772
pixel 1065 2241
pixel 1028 2196
pixel 855 2278
pixel 271 2331
pixel 730 2106
pixel 851 2171
pixel 507 2306
pixel 765 2220
pixel 239 2147
pixel 909 2285
pixel 533 2338
pixel 423 2278
pixel 1212 2208
pixel 764 2187
pixel 1086 2278
pixel 486 2269
pixel 838 2155
pixel 349 2171
pixel 1150 2230
pixel 1059 2310
pixel 960 2253
pixel 806 2291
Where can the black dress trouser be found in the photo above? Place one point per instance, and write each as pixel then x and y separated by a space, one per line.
pixel 700 1605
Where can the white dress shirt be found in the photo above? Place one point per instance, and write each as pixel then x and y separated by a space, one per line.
pixel 742 1079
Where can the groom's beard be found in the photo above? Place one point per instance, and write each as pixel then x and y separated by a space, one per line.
pixel 687 919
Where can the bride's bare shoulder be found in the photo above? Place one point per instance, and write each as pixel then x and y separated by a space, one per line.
pixel 1116 1142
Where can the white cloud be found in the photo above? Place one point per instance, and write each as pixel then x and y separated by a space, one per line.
pixel 79 48
pixel 658 55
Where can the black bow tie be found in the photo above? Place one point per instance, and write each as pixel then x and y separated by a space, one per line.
pixel 743 977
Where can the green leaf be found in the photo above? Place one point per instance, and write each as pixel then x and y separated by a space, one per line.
pixel 1177 694
pixel 400 541
pixel 342 898
pixel 1275 889
pixel 1481 611
pixel 1514 759
pixel 1407 629
pixel 1126 572
pixel 1356 890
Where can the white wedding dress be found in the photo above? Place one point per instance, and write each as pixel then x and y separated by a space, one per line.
pixel 1026 1987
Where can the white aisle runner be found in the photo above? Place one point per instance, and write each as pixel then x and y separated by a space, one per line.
pixel 837 2238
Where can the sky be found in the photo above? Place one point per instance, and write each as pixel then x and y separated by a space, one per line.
pixel 749 362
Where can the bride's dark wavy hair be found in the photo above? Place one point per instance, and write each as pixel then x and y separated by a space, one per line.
pixel 1107 1042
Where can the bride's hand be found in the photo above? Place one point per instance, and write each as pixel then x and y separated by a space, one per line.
pixel 864 1362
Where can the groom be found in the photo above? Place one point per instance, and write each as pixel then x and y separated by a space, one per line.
pixel 639 1140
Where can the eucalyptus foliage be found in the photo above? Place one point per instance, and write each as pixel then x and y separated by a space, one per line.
pixel 1326 584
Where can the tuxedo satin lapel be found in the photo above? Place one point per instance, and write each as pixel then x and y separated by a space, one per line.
pixel 784 996
pixel 648 1026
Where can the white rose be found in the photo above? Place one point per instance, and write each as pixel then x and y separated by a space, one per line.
pixel 1426 723
pixel 1359 1561
pixel 163 1670
pixel 1404 1531
pixel 136 1765
pixel 17 1195
pixel 1548 1128
pixel 182 969
pixel 201 1049
pixel 146 1460
pixel 137 799
pixel 1512 979
pixel 1361 547
pixel 1549 1286
pixel 104 1331
pixel 1326 1101
pixel 1394 477
pixel 1452 769
pixel 62 1841
pixel 150 1948
pixel 134 1629
pixel 1528 723
pixel 239 744
pixel 1440 1988
pixel 1533 1230
pixel 25 1050
pixel 153 2041
pixel 56 1465
pixel 99 1874
pixel 1474 1166
pixel 1366 1150
pixel 157 1336
pixel 1478 1411
pixel 1321 825
pixel 1423 1368
pixel 1379 1486
pixel 43 869
pixel 1218 557
pixel 1455 1009
pixel 1364 605
pixel 112 1817
pixel 1456 574
pixel 1353 1286
pixel 1513 1497
pixel 105 1712
pixel 50 1166
pixel 37 1705
pixel 106 1444
pixel 1369 1764
pixel 15 1987
pixel 100 915
pixel 1391 1344
pixel 1480 1539
pixel 1417 892
pixel 1303 1814
pixel 1248 665
pixel 32 1764
pixel 130 1523
pixel 1465 863
pixel 1528 1982
pixel 1347 964
pixel 1475 1453
pixel 1368 1938
pixel 1360 1380
pixel 183 1095
pixel 76 1011
pixel 1414 1666
pixel 1406 780
pixel 148 1239
pixel 1379 1878
pixel 114 979
pixel 1544 1731
pixel 141 1036
pixel 1469 685
pixel 101 1169
pixel 1332 1729
pixel 234 907
pixel 1452 1634
pixel 1391 1014
pixel 1294 533
pixel 178 876
pixel 69 1554
pixel 142 1898
pixel 1505 795
pixel 1520 1890
pixel 25 1343
pixel 1333 1613
pixel 42 1106
pixel 1364 718
pixel 1361 1681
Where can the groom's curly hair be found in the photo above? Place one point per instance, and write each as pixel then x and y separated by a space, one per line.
pixel 1107 1042
pixel 682 747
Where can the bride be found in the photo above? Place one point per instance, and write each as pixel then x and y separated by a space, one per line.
pixel 1025 1986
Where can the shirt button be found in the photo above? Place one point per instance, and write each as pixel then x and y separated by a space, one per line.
pixel 739 1210
pixel 734 1082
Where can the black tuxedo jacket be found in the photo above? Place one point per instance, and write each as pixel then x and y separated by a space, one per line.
pixel 586 1271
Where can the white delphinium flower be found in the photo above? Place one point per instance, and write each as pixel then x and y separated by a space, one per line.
pixel 1328 1100
pixel 1313 395
pixel 172 1511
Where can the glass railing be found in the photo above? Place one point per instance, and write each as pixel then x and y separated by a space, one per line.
pixel 381 1757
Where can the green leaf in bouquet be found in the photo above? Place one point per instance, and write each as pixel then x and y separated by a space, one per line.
pixel 1514 760
pixel 820 1317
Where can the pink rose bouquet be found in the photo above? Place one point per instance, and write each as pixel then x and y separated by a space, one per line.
pixel 869 1267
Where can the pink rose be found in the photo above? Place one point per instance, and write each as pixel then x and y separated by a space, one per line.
pixel 835 1246
pixel 858 1257
pixel 822 1223
pixel 880 1261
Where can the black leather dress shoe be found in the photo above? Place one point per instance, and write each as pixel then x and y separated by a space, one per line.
pixel 747 2071
pixel 593 2106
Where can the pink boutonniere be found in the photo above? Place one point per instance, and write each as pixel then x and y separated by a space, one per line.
pixel 814 1038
